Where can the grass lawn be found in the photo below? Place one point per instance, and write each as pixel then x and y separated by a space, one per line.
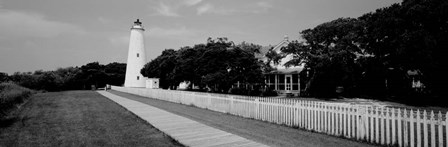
pixel 78 118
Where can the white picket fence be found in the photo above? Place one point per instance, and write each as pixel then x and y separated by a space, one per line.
pixel 379 125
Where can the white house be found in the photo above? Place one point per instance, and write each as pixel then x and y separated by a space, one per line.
pixel 284 80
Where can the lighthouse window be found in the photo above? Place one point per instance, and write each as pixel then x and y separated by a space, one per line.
pixel 138 77
pixel 137 54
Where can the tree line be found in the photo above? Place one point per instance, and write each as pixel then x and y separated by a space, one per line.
pixel 217 66
pixel 379 54
pixel 70 78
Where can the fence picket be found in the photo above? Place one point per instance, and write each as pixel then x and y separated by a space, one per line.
pixel 425 129
pixel 440 126
pixel 433 130
pixel 377 121
pixel 405 128
pixel 399 133
pixel 382 131
pixel 446 129
pixel 419 139
pixel 411 122
pixel 387 126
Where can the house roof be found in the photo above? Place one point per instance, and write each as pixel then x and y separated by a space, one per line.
pixel 292 70
pixel 283 43
pixel 277 48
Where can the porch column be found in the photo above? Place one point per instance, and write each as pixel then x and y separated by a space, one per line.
pixel 298 80
pixel 276 82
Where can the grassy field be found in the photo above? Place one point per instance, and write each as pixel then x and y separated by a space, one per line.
pixel 78 118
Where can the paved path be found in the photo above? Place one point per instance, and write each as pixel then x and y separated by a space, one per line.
pixel 185 131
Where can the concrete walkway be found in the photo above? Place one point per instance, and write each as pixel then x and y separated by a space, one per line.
pixel 185 131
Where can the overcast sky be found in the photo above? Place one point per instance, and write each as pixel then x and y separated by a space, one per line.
pixel 47 34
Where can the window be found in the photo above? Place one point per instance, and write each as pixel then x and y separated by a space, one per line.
pixel 138 77
pixel 137 54
pixel 281 78
pixel 295 78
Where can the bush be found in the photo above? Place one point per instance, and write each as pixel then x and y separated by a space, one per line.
pixel 12 95
pixel 268 92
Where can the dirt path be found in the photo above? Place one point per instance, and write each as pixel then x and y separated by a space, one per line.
pixel 263 132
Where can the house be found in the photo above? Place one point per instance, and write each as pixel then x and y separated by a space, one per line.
pixel 284 80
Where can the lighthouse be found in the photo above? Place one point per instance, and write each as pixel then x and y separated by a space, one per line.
pixel 136 57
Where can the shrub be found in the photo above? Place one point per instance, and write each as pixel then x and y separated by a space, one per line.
pixel 12 95
pixel 268 92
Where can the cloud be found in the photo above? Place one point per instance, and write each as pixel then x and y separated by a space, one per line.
pixel 264 4
pixel 172 32
pixel 211 9
pixel 166 10
pixel 170 8
pixel 119 39
pixel 259 7
pixel 21 24
pixel 192 2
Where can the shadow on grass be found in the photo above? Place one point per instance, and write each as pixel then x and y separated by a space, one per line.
pixel 7 122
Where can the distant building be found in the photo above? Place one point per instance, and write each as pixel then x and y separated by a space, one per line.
pixel 284 80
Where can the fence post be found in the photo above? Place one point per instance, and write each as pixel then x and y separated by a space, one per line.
pixel 345 121
pixel 440 125
pixel 411 122
pixel 405 128
pixel 354 119
pixel 257 108
pixel 393 122
pixel 446 128
pixel 319 117
pixel 433 130
pixel 377 130
pixel 268 105
pixel 371 130
pixel 388 126
pixel 419 139
pixel 302 114
pixel 399 133
pixel 350 118
pixel 383 132
pixel 288 116
pixel 231 105
pixel 314 109
pixel 425 129
pixel 341 120
pixel 358 117
pixel 329 118
pixel 291 112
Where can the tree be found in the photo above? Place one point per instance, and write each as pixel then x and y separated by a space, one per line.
pixel 329 51
pixel 3 77
pixel 218 65
pixel 116 73
pixel 163 68
pixel 409 37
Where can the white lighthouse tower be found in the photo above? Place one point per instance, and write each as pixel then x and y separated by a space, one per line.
pixel 136 57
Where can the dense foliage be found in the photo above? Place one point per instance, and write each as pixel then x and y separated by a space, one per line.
pixel 70 78
pixel 10 96
pixel 373 55
pixel 215 65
